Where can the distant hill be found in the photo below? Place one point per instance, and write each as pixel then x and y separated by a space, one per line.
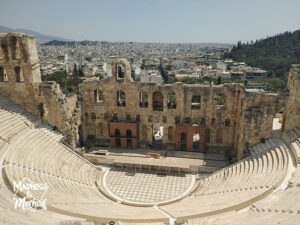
pixel 37 35
pixel 71 43
pixel 275 54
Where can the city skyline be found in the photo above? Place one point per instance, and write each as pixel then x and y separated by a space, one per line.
pixel 162 21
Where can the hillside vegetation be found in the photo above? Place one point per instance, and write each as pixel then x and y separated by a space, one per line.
pixel 275 54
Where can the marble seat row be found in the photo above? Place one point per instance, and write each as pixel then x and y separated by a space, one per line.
pixel 12 216
pixel 268 163
pixel 35 153
pixel 71 180
pixel 7 106
pixel 236 186
pixel 280 207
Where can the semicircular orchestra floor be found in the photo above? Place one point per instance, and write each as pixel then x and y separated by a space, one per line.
pixel 147 187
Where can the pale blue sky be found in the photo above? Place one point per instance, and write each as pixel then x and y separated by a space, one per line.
pixel 224 21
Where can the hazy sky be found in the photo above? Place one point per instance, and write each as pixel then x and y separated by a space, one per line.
pixel 224 21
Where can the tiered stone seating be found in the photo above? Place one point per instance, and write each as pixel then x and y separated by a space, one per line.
pixel 236 186
pixel 37 154
pixel 8 215
pixel 47 130
pixel 8 107
pixel 280 207
pixel 9 126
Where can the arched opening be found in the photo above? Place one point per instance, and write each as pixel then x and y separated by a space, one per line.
pixel 19 74
pixel 157 135
pixel 171 100
pixel 183 141
pixel 121 100
pixel 128 133
pixel 143 99
pixel 3 76
pixel 117 138
pixel 196 101
pixel 227 123
pixel 171 133
pixel 196 139
pixel 117 133
pixel 4 48
pixel 277 122
pixel 157 101
pixel 120 72
pixel 98 95
pixel 15 53
pixel 129 140
pixel 220 100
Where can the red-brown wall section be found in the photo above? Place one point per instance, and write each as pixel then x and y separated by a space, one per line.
pixel 190 131
pixel 123 126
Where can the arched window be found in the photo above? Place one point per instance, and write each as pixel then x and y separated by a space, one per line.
pixel 171 100
pixel 19 75
pixel 3 76
pixel 121 98
pixel 220 100
pixel 143 99
pixel 120 72
pixel 117 133
pixel 158 101
pixel 128 133
pixel 196 139
pixel 15 53
pixel 196 101
pixel 183 141
pixel 170 133
pixel 227 123
pixel 98 95
pixel 4 48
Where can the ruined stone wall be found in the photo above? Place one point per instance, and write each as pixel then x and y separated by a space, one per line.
pixel 256 119
pixel 20 81
pixel 291 117
pixel 233 118
pixel 238 120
